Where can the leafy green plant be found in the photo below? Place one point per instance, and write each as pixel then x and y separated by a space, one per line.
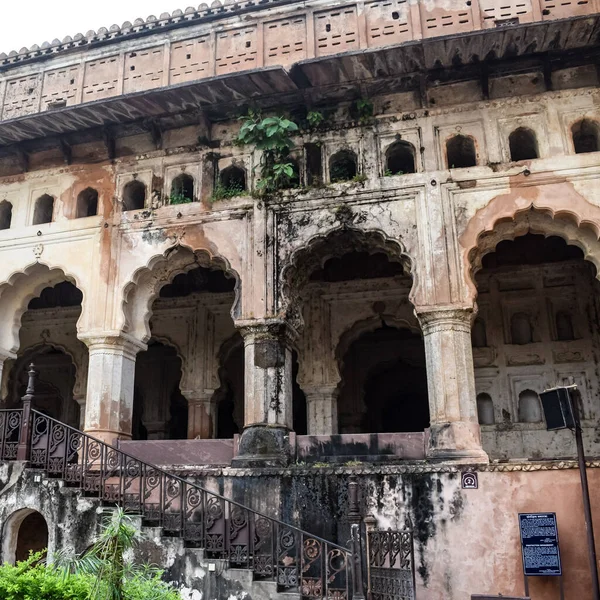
pixel 272 136
pixel 365 109
pixel 110 576
pixel 389 173
pixel 359 178
pixel 353 463
pixel 223 191
pixel 314 118
pixel 32 579
pixel 179 198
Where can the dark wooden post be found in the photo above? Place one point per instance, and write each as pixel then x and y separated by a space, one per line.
pixel 25 436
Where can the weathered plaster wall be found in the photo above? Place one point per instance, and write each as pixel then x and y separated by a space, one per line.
pixel 466 541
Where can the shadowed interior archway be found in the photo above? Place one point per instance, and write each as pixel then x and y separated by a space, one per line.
pixel 536 327
pixel 339 280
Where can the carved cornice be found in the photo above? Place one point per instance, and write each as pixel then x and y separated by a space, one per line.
pixel 366 469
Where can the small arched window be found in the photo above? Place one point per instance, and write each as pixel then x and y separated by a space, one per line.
pixel 5 214
pixel 134 195
pixel 530 409
pixel 400 158
pixel 521 331
pixel 564 326
pixel 44 210
pixel 87 203
pixel 585 136
pixel 478 334
pixel 233 179
pixel 523 144
pixel 342 166
pixel 460 152
pixel 485 409
pixel 182 189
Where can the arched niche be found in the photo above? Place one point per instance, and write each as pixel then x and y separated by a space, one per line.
pixel 25 531
pixel 521 329
pixel 87 203
pixel 233 180
pixel 43 211
pixel 182 189
pixel 460 152
pixel 485 409
pixel 586 136
pixel 343 166
pixel 530 408
pixel 523 144
pixel 5 214
pixel 400 158
pixel 134 195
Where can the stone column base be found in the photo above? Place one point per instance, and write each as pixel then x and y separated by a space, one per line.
pixel 458 441
pixel 263 445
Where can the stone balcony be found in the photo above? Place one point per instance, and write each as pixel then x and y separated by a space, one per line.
pixel 268 52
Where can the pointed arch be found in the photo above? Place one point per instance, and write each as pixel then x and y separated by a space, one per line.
pixel 532 209
pixel 321 247
pixel 19 289
pixel 146 282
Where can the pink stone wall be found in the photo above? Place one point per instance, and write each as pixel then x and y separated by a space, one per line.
pixel 477 549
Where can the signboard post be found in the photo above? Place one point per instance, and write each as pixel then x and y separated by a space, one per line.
pixel 539 547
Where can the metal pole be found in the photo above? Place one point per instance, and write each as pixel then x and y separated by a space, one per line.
pixel 587 510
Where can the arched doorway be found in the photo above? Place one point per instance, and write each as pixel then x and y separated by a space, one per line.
pixel 384 383
pixel 351 289
pixel 25 531
pixel 537 327
pixel 59 358
pixel 191 298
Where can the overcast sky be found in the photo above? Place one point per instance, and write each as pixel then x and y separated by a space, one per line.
pixel 28 22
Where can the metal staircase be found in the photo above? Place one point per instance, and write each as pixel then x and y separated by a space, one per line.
pixel 295 560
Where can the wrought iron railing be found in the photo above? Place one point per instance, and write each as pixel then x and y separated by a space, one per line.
pixel 246 538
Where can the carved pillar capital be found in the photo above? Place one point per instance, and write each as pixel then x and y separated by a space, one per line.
pixel 445 318
pixel 267 329
pixel 113 342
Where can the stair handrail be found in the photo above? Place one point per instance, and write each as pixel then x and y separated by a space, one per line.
pixel 268 546
pixel 191 483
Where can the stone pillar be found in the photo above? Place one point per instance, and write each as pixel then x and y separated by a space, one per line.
pixel 111 375
pixel 265 440
pixel 202 414
pixel 321 405
pixel 454 432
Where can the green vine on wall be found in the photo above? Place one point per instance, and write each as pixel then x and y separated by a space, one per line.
pixel 272 136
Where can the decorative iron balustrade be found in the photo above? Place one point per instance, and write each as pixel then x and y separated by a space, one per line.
pixel 391 567
pixel 272 549
pixel 10 432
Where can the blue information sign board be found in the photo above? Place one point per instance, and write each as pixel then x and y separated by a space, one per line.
pixel 539 544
